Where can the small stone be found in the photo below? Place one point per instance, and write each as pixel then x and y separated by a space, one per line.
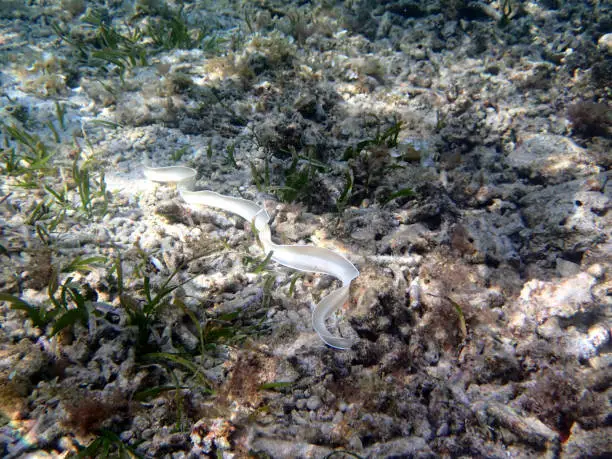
pixel 550 329
pixel 567 268
pixel 599 336
pixel 66 444
pixel 597 270
pixel 313 403
pixel 443 430
pixel 355 443
pixel 605 42
pixel 298 419
pixel 294 317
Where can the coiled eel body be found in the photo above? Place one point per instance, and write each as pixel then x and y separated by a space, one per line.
pixel 298 257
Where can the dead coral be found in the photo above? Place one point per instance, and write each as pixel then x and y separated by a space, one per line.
pixel 247 374
pixel 453 297
pixel 47 76
pixel 559 399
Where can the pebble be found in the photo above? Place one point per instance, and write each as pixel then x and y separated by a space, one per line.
pixel 597 270
pixel 443 430
pixel 567 268
pixel 294 316
pixel 605 42
pixel 298 419
pixel 313 402
pixel 599 335
pixel 355 443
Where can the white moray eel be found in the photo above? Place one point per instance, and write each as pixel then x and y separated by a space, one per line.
pixel 299 257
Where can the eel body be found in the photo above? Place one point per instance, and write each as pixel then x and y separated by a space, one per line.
pixel 299 257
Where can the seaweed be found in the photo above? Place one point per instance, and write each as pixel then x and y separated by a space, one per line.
pixel 174 33
pixel 29 156
pixel 60 113
pixel 402 193
pixel 71 303
pixel 105 443
pixel 143 313
pixel 230 159
pixel 37 315
pixel 108 47
pixel 383 138
pixel 71 306
pixel 590 119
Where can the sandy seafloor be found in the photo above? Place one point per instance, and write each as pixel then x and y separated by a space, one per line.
pixel 457 152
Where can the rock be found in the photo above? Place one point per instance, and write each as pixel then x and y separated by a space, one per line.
pixel 284 448
pixel 564 218
pixel 599 336
pixel 186 337
pixel 39 455
pixel 370 315
pixel 528 429
pixel 564 298
pixel 438 368
pixel 407 238
pixel 165 441
pixel 566 268
pixel 355 443
pixel 605 43
pixel 579 345
pixel 550 159
pixel 483 237
pixel 209 434
pixel 401 447
pixel 314 403
pixel 307 105
pixel 587 443
pixel 19 363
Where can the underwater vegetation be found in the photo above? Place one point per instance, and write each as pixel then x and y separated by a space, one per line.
pixel 110 49
pixel 590 119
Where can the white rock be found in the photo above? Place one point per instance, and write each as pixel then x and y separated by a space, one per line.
pixel 563 298
pixel 314 403
pixel 605 42
pixel 599 335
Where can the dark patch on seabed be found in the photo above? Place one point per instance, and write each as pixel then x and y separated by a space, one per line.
pixel 456 152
